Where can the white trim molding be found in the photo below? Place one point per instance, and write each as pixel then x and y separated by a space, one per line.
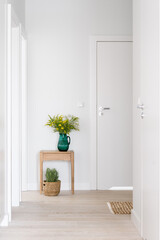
pixel 8 170
pixel 12 21
pixel 93 100
pixel 24 165
pixel 64 186
pixel 135 219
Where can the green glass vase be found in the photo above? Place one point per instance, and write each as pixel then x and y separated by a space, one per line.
pixel 63 143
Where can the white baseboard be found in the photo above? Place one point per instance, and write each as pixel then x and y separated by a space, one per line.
pixel 135 219
pixel 33 186
pixel 4 221
pixel 127 188
pixel 64 186
pixel 77 186
pixel 15 203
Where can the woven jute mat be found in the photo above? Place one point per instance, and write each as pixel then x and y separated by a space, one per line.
pixel 120 207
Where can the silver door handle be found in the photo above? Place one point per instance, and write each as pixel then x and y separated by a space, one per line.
pixel 103 108
pixel 142 115
pixel 140 106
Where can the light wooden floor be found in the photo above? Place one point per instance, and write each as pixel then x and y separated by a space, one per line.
pixel 83 216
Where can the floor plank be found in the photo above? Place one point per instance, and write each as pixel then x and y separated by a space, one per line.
pixel 82 216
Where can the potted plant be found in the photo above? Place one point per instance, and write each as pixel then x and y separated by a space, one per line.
pixel 52 183
pixel 63 125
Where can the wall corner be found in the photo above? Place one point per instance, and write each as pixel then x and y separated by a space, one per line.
pixel 136 221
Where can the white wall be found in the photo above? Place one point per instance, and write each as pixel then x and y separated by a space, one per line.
pixel 58 73
pixel 2 110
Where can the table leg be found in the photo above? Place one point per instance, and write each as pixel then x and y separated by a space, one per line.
pixel 72 172
pixel 41 172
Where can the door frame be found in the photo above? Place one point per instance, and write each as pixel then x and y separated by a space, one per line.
pixel 8 127
pixel 24 124
pixel 15 88
pixel 11 20
pixel 93 100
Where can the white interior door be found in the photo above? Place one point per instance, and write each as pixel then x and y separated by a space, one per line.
pixel 150 122
pixel 114 86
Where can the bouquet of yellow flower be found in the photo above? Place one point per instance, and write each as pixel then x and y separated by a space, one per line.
pixel 63 124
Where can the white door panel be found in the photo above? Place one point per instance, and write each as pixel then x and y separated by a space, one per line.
pixel 114 86
pixel 150 123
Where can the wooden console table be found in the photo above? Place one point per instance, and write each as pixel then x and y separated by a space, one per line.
pixel 56 156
